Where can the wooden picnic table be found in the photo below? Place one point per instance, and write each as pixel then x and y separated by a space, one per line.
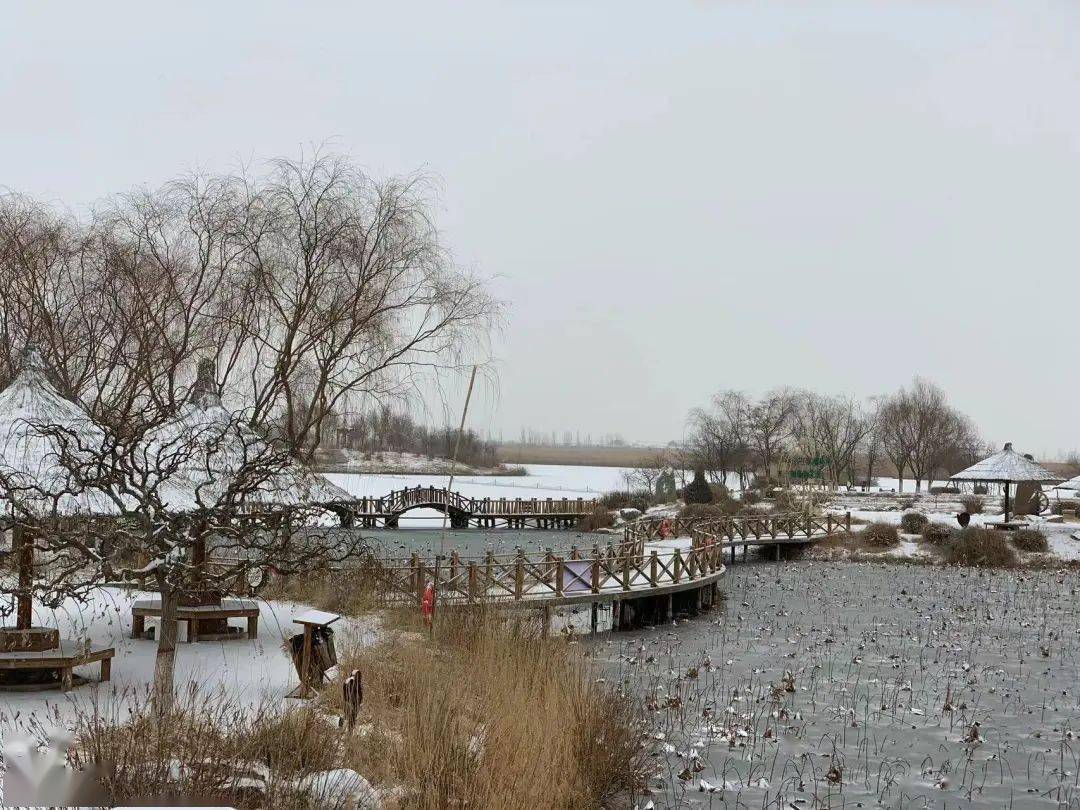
pixel 194 614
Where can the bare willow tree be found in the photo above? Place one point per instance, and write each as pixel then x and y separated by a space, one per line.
pixel 311 286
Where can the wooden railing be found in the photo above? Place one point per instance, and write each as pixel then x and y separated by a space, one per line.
pixel 400 501
pixel 611 570
pixel 738 528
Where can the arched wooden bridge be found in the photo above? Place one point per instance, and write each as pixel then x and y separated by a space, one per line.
pixel 463 511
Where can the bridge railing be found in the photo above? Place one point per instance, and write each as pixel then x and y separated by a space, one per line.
pixel 401 500
pixel 734 528
pixel 522 576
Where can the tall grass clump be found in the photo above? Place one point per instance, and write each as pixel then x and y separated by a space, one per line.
pixel 979 547
pixel 1030 540
pixel 913 522
pixel 879 536
pixel 494 715
pixel 973 504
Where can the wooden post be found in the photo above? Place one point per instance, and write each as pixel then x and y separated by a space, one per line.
pixel 546 612
pixel 654 563
pixel 595 573
pixel 847 522
pixel 25 556
pixel 418 577
pixel 626 572
pixel 519 574
pixel 594 618
pixel 558 576
pixel 676 566
pixel 472 579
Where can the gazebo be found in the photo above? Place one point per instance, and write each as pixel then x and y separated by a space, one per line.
pixel 1006 467
pixel 39 493
pixel 218 446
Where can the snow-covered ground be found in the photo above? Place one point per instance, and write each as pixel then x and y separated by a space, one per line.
pixel 250 671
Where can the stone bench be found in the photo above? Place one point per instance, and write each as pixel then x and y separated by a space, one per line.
pixel 63 658
pixel 194 615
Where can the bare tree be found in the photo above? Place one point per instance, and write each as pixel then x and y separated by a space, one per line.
pixel 768 423
pixel 225 538
pixel 311 286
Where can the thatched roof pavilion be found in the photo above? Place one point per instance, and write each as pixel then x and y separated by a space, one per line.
pixel 1007 467
pixel 223 444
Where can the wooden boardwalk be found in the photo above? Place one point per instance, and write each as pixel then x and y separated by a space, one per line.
pixel 680 572
pixel 514 513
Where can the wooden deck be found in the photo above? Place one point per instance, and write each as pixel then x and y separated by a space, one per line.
pixel 514 513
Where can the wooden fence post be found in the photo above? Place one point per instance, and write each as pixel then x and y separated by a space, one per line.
pixel 558 576
pixel 519 574
pixel 596 572
pixel 653 564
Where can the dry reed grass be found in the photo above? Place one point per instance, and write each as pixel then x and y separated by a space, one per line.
pixel 350 592
pixel 209 748
pixel 493 715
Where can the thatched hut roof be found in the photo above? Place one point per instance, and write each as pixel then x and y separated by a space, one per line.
pixel 31 469
pixel 1007 466
pixel 220 444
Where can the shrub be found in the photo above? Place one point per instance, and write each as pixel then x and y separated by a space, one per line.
pixel 599 518
pixel 625 500
pixel 913 522
pixel 750 497
pixel 704 511
pixel 879 535
pixel 1030 540
pixel 787 501
pixel 698 490
pixel 937 533
pixel 973 504
pixel 979 547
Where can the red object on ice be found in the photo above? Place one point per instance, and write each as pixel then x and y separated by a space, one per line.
pixel 665 528
pixel 427 605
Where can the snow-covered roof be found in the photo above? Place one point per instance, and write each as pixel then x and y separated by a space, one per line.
pixel 220 444
pixel 1072 483
pixel 1006 465
pixel 31 408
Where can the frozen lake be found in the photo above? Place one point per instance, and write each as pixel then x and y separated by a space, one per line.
pixel 859 685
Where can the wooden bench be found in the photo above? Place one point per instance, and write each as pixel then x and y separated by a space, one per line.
pixel 193 614
pixel 67 656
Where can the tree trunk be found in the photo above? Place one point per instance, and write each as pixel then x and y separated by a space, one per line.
pixel 164 663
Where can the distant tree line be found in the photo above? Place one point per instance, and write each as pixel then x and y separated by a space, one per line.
pixel 569 438
pixel 382 430
pixel 791 435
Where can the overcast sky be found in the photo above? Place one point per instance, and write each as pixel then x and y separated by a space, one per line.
pixel 673 198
